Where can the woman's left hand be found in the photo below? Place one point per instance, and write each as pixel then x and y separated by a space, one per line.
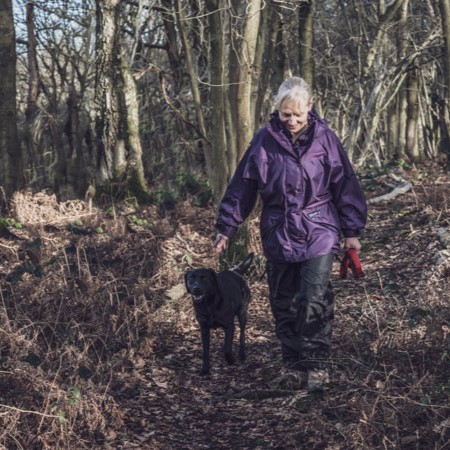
pixel 352 242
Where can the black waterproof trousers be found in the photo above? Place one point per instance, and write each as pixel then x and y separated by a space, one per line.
pixel 302 302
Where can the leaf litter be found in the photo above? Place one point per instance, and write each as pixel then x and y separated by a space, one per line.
pixel 99 347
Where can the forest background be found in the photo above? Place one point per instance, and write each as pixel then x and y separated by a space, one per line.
pixel 154 98
pixel 121 123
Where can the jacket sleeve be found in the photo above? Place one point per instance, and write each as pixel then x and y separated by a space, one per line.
pixel 348 196
pixel 239 198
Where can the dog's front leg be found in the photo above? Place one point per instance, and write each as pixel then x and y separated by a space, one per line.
pixel 205 345
pixel 228 347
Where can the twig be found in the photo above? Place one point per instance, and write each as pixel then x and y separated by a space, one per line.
pixel 177 235
pixel 8 320
pixel 27 411
pixel 9 248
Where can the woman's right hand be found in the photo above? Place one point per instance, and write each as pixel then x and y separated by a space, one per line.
pixel 221 243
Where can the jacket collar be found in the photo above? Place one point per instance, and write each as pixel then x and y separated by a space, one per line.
pixel 283 136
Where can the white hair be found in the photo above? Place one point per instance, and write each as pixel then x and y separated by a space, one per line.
pixel 295 90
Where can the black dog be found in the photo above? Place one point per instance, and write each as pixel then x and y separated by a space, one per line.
pixel 218 298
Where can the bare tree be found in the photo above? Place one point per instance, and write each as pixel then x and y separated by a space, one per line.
pixel 11 174
pixel 363 71
pixel 56 79
pixel 226 130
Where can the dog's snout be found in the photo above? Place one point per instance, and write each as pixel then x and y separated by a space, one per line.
pixel 196 290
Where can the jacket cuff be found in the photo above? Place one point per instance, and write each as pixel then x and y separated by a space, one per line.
pixel 227 230
pixel 349 233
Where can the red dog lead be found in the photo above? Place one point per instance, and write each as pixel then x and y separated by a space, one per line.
pixel 351 261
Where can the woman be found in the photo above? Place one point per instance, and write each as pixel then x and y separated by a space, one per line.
pixel 310 197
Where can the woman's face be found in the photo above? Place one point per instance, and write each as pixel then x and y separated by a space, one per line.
pixel 295 116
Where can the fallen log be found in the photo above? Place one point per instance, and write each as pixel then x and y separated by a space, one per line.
pixel 402 189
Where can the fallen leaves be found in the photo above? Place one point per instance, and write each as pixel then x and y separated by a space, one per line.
pixel 114 304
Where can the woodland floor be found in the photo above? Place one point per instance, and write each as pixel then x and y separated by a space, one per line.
pixel 99 348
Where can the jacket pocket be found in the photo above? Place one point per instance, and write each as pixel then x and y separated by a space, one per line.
pixel 269 225
pixel 319 218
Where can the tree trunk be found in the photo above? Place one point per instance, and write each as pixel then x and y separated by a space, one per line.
pixel 412 111
pixel 11 174
pixel 110 152
pixel 306 38
pixel 402 104
pixel 245 120
pixel 77 175
pixel 129 119
pixel 243 73
pixel 119 155
pixel 401 100
pixel 269 58
pixel 218 139
pixel 33 159
pixel 260 68
pixel 384 19
pixel 193 79
pixel 233 62
pixel 444 7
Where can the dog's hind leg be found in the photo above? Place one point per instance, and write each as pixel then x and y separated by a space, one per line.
pixel 205 345
pixel 228 347
pixel 242 317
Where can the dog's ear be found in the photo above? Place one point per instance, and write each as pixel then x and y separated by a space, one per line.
pixel 213 275
pixel 186 275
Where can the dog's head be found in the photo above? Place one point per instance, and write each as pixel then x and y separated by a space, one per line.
pixel 201 283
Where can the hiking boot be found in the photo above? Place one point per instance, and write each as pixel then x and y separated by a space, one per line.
pixel 290 379
pixel 317 380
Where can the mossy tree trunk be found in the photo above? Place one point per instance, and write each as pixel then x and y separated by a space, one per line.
pixel 119 152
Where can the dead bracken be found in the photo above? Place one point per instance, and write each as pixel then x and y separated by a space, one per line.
pixel 99 349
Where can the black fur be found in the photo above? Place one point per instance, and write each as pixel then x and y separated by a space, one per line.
pixel 218 298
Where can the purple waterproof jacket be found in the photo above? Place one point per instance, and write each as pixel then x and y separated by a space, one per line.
pixel 309 191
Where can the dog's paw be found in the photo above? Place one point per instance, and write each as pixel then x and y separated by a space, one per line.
pixel 204 372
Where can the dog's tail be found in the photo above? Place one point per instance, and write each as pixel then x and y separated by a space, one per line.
pixel 244 265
